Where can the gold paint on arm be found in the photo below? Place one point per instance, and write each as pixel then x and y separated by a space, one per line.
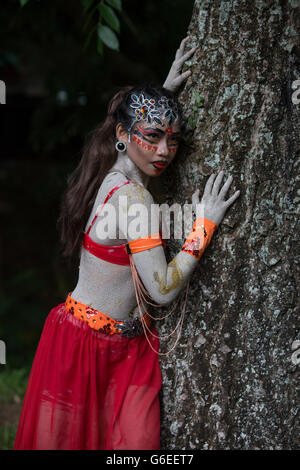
pixel 177 279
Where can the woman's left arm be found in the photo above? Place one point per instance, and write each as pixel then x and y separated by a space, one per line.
pixel 175 78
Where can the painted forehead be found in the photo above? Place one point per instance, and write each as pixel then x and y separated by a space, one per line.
pixel 164 129
pixel 162 112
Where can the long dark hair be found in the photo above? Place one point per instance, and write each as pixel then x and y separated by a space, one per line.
pixel 99 155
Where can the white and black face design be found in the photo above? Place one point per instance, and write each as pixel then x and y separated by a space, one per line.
pixel 152 111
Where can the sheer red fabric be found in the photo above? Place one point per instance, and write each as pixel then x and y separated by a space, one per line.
pixel 90 391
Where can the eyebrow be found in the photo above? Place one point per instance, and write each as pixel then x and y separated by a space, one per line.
pixel 159 130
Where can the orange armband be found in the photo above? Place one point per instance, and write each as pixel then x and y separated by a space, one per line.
pixel 199 238
pixel 141 244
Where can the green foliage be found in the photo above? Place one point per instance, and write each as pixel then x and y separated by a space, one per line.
pixel 105 33
pixel 13 383
pixel 7 435
pixel 192 122
pixel 87 4
pixel 117 4
pixel 106 14
pixel 108 37
pixel 198 99
pixel 110 17
pixel 198 102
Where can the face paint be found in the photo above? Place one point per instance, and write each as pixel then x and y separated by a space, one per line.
pixel 149 138
pixel 153 146
pixel 152 110
pixel 143 144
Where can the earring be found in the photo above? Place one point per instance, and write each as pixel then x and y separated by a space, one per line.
pixel 121 146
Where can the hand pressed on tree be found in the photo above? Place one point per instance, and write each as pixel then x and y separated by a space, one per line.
pixel 175 78
pixel 213 205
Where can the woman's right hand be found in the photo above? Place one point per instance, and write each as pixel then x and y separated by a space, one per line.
pixel 175 78
pixel 213 205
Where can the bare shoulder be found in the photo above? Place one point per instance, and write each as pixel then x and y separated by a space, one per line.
pixel 110 181
pixel 133 192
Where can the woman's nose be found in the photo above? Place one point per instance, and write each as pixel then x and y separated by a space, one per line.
pixel 163 147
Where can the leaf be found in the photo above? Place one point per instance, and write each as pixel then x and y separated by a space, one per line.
pixel 198 99
pixel 87 4
pixel 192 123
pixel 89 37
pixel 108 37
pixel 90 15
pixel 23 2
pixel 117 4
pixel 110 17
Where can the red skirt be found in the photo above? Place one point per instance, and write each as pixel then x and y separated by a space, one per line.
pixel 90 391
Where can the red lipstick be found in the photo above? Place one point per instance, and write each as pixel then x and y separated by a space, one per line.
pixel 159 164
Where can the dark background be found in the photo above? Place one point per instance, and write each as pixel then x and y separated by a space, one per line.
pixel 57 92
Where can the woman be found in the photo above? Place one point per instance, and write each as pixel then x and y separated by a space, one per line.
pixel 95 379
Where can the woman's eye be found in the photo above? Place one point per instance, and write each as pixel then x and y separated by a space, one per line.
pixel 174 142
pixel 154 136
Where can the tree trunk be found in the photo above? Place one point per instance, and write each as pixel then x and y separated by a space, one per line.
pixel 231 382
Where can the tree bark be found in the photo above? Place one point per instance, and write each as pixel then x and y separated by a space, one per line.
pixel 231 382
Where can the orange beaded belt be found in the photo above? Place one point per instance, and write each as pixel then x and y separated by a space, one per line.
pixel 103 323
